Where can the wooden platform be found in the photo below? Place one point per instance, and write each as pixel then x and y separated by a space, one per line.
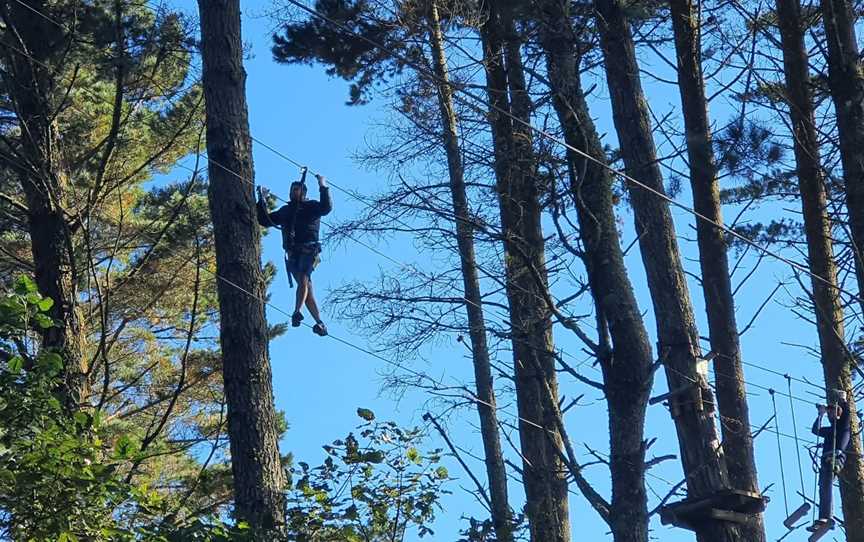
pixel 731 505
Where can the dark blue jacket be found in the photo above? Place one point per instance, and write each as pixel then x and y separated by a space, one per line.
pixel 300 218
pixel 843 432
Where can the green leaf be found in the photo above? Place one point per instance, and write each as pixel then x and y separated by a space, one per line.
pixel 15 364
pixel 82 419
pixel 124 447
pixel 413 455
pixel 24 285
pixel 45 304
pixel 441 472
pixel 366 414
pixel 43 320
pixel 51 361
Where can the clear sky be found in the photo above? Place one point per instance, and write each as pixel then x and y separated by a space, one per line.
pixel 319 383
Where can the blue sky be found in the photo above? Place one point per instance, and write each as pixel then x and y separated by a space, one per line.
pixel 319 383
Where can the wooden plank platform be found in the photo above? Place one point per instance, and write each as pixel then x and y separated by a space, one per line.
pixel 731 505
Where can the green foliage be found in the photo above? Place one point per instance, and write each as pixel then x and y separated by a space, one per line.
pixel 374 490
pixel 350 57
pixel 60 476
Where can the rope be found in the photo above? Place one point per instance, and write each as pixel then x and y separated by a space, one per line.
pixel 816 479
pixel 368 204
pixel 795 432
pixel 457 89
pixel 833 462
pixel 436 384
pixel 780 452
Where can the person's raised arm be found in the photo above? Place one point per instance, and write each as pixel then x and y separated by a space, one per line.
pixel 817 425
pixel 265 217
pixel 326 204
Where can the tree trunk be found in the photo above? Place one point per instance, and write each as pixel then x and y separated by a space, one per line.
pixel 628 382
pixel 496 471
pixel 846 81
pixel 716 283
pixel 255 461
pixel 836 361
pixel 678 346
pixel 543 472
pixel 32 87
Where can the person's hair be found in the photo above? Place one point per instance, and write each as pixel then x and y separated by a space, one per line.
pixel 302 188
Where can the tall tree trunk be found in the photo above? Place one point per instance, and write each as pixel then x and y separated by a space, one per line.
pixel 627 369
pixel 255 461
pixel 496 471
pixel 543 471
pixel 846 81
pixel 716 283
pixel 678 347
pixel 34 92
pixel 836 362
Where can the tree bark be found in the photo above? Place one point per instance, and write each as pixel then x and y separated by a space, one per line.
pixel 846 82
pixel 716 283
pixel 701 454
pixel 496 472
pixel 34 91
pixel 255 461
pixel 836 361
pixel 533 356
pixel 627 369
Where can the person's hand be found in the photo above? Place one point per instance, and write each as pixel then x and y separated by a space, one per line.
pixel 822 410
pixel 322 182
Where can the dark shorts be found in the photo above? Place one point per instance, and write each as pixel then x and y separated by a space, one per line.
pixel 301 263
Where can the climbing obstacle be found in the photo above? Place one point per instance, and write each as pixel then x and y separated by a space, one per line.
pixel 732 505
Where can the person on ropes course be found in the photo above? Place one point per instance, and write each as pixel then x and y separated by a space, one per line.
pixel 835 440
pixel 300 222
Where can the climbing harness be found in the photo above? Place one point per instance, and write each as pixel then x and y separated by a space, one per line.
pixel 292 249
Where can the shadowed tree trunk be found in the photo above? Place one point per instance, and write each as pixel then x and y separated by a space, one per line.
pixel 543 471
pixel 846 81
pixel 496 471
pixel 35 95
pixel 255 461
pixel 678 346
pixel 836 362
pixel 716 282
pixel 627 368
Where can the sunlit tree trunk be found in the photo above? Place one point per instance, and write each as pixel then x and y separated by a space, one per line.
pixel 255 462
pixel 496 471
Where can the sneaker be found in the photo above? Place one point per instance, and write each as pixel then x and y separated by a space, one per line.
pixel 296 318
pixel 320 329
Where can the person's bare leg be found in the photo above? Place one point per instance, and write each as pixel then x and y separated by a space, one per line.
pixel 302 290
pixel 311 303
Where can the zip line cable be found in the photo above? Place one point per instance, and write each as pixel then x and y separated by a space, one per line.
pixel 457 89
pixel 438 386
